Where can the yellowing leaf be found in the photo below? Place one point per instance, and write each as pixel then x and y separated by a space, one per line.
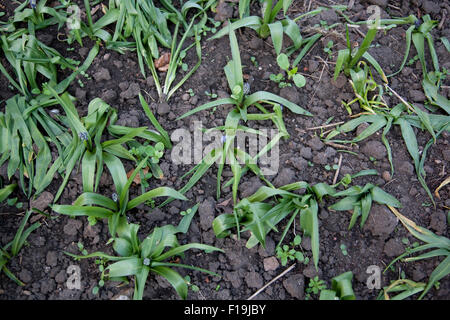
pixel 137 178
pixel 444 183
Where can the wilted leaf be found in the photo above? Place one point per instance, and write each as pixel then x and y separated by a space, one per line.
pixel 162 63
pixel 137 179
pixel 444 183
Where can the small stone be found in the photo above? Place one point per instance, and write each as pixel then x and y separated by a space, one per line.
pixel 417 95
pixel 306 153
pixel 446 154
pixel 313 65
pixel 254 280
pixel 418 274
pixel 25 275
pixel 109 96
pixel 206 212
pixel 386 176
pixel 163 108
pixel 61 276
pixel 271 264
pixel 374 149
pixel 381 3
pixel 107 56
pixel 185 97
pixel 72 227
pixel 431 7
pixel 102 74
pixel 381 222
pixel 393 248
pixel 52 259
pixel 315 143
pixel 286 176
pixel 310 271
pixel 250 187
pixel 223 11
pixel 406 168
pixel 438 222
pixel 340 81
pixel 132 91
pixel 295 285
pixel 43 201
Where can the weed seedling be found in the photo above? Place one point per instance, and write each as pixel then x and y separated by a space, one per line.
pixel 328 48
pixel 288 252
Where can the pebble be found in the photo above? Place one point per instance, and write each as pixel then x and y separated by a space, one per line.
pixel 295 285
pixel 271 264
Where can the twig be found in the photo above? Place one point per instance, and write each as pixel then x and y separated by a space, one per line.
pixel 335 145
pixel 401 99
pixel 444 16
pixel 272 281
pixel 338 169
pixel 326 125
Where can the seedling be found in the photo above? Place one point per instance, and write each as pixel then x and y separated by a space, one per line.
pixel 283 63
pixel 242 100
pixel 328 48
pixel 211 95
pixel 315 286
pixel 439 244
pixel 13 248
pixel 343 248
pixel 359 200
pixel 254 61
pixel 191 286
pixel 348 58
pixel 138 258
pixel 288 252
pixel 99 206
pixel 191 92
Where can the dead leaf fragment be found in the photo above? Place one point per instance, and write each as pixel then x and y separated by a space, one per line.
pixel 162 63
pixel 444 183
pixel 137 178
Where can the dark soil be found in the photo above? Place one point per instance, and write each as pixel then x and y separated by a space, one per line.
pixel 116 78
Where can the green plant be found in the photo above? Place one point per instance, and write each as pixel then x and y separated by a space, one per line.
pixel 98 206
pixel 406 288
pixel 288 252
pixel 328 48
pixel 242 100
pixel 260 218
pixel 359 200
pixel 6 191
pixel 11 249
pixel 341 288
pixel 266 26
pixel 87 133
pixel 152 255
pixel 363 86
pixel 435 124
pixel 149 26
pixel 439 244
pixel 283 63
pixel 348 58
pixel 315 286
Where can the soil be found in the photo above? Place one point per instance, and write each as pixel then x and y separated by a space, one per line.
pixel 43 265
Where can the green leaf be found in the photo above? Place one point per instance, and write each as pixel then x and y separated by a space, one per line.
pixel 299 80
pixel 174 279
pixel 382 197
pixel 6 191
pixel 158 192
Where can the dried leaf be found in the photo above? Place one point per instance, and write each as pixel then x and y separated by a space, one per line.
pixel 137 178
pixel 162 63
pixel 444 183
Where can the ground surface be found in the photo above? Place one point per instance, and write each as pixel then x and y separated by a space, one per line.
pixel 42 265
